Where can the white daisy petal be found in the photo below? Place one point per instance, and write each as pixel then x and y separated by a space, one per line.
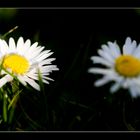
pixel 138 90
pixel 102 81
pixel 47 61
pixel 34 56
pixel 45 74
pixel 133 91
pixel 44 55
pixel 12 45
pixel 20 44
pixel 31 56
pixel 105 55
pixel 115 51
pixel 128 42
pixel 33 46
pixel 21 79
pixel 129 50
pixel 48 68
pixel 126 45
pixel 106 49
pixel 117 48
pixel 33 76
pixel 27 43
pixel 25 47
pixel 100 60
pixel 129 47
pixel 5 79
pixel 99 71
pixel 126 83
pixel 3 47
pixel 136 81
pixel 115 87
pixel 32 51
pixel 136 52
pixel 134 45
pixel 45 81
pixel 47 78
pixel 32 83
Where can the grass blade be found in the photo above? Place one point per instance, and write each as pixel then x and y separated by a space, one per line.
pixel 5 107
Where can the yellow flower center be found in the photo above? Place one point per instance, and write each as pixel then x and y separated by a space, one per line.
pixel 16 63
pixel 128 65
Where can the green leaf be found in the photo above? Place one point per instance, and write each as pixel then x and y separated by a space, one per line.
pixel 14 99
pixel 41 82
pixel 11 106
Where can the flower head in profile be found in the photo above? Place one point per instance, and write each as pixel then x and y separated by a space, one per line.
pixel 25 61
pixel 122 66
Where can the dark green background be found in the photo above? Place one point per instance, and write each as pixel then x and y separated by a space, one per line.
pixel 71 102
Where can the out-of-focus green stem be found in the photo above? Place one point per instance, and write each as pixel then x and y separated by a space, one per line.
pixel 129 126
pixel 10 31
pixel 4 107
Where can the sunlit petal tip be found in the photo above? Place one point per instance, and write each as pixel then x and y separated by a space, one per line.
pixel 20 39
pixel 128 40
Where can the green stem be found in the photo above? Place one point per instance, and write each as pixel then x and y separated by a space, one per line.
pixel 10 31
pixel 5 107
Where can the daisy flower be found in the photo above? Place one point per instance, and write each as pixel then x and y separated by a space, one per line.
pixel 24 61
pixel 122 66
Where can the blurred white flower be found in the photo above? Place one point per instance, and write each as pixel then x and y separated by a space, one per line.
pixel 121 67
pixel 24 61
